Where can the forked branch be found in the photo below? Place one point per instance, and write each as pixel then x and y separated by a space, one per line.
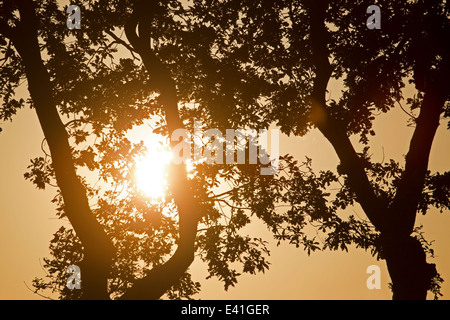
pixel 161 278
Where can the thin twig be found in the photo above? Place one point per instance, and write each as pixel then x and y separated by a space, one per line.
pixel 409 114
pixel 122 42
pixel 34 291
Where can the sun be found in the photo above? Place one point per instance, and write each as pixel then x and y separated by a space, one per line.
pixel 151 172
pixel 151 168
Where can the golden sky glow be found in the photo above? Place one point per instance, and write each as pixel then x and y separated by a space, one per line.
pixel 151 172
pixel 28 220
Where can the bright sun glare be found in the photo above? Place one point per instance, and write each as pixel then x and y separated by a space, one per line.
pixel 152 168
pixel 151 172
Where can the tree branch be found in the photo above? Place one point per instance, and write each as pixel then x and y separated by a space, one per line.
pixel 404 206
pixel 122 42
pixel 160 77
pixel 98 249
pixel 330 127
pixel 161 278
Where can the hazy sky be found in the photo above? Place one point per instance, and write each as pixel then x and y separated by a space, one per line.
pixel 27 222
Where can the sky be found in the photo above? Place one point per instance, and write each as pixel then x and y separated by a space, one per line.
pixel 28 221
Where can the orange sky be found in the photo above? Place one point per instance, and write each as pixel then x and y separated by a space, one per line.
pixel 27 222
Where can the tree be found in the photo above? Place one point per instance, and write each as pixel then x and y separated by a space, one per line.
pixel 128 247
pixel 24 37
pixel 284 53
pixel 244 64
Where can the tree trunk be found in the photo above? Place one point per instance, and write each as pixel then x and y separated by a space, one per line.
pixel 161 278
pixel 410 273
pixel 98 249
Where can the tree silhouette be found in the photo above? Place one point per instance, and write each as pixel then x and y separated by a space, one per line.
pixel 287 52
pixel 244 64
pixel 127 246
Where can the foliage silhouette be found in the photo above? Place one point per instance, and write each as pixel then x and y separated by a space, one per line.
pixel 125 244
pixel 285 53
pixel 244 64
